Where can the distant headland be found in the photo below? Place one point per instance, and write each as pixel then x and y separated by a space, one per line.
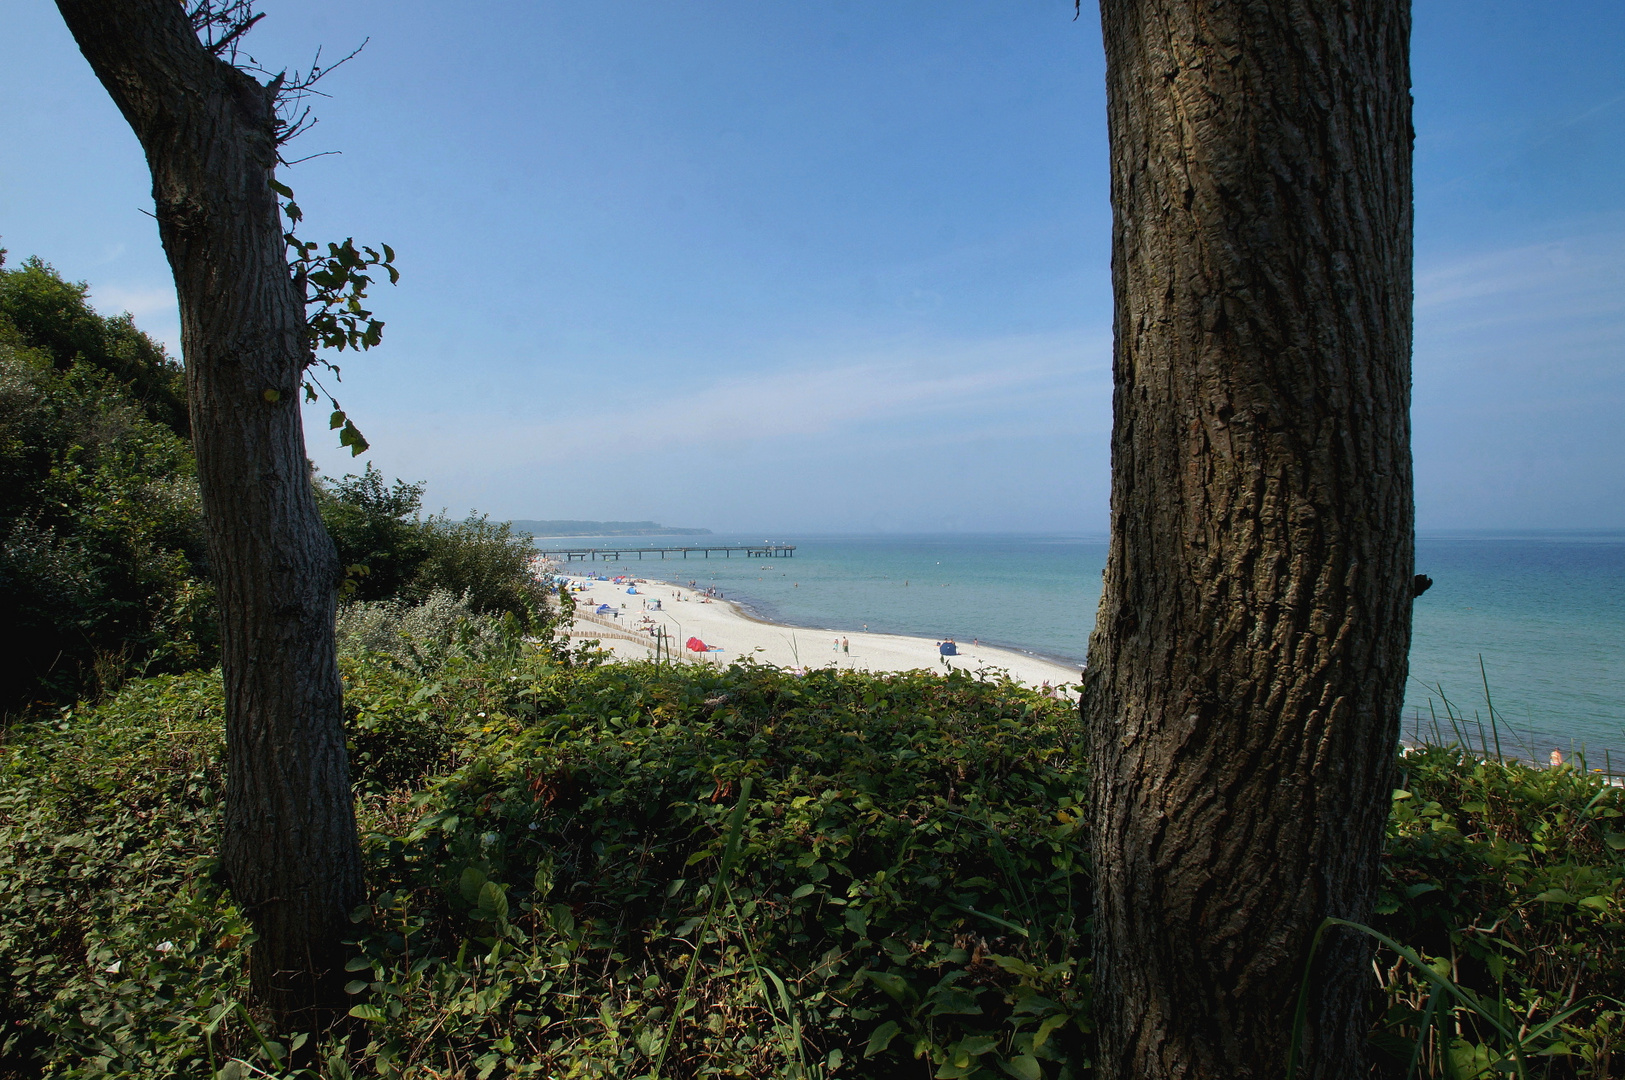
pixel 602 528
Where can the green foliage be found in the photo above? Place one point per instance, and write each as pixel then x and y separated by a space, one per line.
pixel 484 561
pixel 570 877
pixel 909 863
pixel 99 513
pixel 53 316
pixel 1510 881
pixel 909 834
pixel 115 943
pixel 377 531
pixel 393 553
pixel 334 285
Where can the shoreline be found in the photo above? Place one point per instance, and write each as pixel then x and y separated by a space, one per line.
pixel 748 611
pixel 734 630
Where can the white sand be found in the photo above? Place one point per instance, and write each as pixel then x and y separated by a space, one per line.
pixel 686 613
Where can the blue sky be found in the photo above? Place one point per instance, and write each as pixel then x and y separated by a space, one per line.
pixel 763 266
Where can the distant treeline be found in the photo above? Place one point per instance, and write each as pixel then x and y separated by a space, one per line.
pixel 602 528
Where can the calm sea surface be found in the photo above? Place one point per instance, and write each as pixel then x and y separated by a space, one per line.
pixel 1545 612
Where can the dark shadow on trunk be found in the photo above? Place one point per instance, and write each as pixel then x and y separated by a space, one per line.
pixel 1247 668
pixel 290 850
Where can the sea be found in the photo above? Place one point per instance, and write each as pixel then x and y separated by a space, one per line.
pixel 1520 643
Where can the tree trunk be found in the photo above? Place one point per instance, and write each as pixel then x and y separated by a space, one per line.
pixel 290 850
pixel 1248 664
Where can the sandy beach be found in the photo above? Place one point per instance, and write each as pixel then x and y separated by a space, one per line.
pixel 681 613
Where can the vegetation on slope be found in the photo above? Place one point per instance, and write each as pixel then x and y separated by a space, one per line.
pixel 545 839
pixel 101 542
pixel 103 572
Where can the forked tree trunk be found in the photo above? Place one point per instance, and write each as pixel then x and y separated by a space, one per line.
pixel 290 850
pixel 1248 664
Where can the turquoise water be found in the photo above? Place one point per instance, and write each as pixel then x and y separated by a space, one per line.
pixel 1546 613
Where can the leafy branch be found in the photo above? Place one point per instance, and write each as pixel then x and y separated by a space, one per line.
pixel 334 284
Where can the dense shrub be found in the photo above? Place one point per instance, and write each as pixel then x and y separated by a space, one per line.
pixel 378 532
pixel 114 942
pixel 1511 880
pixel 546 844
pixel 394 553
pixel 53 316
pixel 100 524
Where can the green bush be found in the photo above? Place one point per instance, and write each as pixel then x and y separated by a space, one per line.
pixel 551 890
pixel 1510 880
pixel 53 316
pixel 377 531
pixel 909 880
pixel 101 540
pixel 113 938
pixel 395 554
pixel 485 562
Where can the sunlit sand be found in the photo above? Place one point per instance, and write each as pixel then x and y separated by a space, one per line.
pixel 683 613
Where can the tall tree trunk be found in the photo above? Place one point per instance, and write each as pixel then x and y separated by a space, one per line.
pixel 1247 667
pixel 290 850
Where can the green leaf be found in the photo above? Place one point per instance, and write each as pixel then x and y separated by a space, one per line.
pixel 493 902
pixel 894 985
pixel 472 882
pixel 336 421
pixel 881 1038
pixel 1615 841
pixel 355 986
pixel 952 1001
pixel 971 1046
pixel 994 919
pixel 803 890
pixel 1033 1003
pixel 857 921
pixel 1023 1067
pixel 1014 965
pixel 367 1012
pixel 1041 1036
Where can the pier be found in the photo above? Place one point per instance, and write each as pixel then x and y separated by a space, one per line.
pixel 749 551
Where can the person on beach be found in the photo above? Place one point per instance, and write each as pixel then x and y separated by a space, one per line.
pixel 837 644
pixel 846 646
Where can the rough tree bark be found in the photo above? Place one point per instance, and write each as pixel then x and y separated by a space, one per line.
pixel 290 851
pixel 1248 663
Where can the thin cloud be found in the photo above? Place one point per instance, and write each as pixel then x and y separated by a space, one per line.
pixel 155 310
pixel 1575 275
pixel 139 302
pixel 990 385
